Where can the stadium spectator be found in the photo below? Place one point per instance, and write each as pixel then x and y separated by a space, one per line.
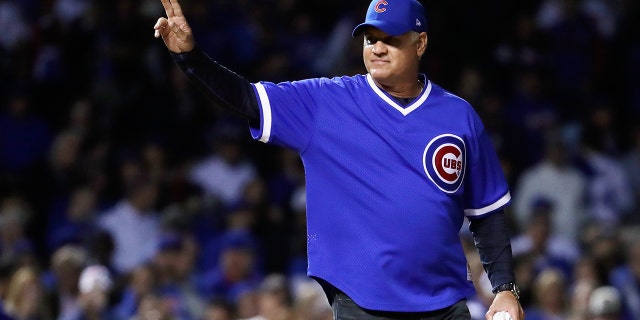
pixel 236 270
pixel 605 304
pixel 139 284
pixel 275 299
pixel 626 279
pixel 556 179
pixel 174 265
pixel 24 299
pixel 219 309
pixel 95 285
pixel 134 225
pixel 62 277
pixel 15 243
pixel 550 296
pixel 549 248
pixel 73 220
pixel 226 171
pixel 609 197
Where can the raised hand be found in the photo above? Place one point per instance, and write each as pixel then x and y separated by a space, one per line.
pixel 174 29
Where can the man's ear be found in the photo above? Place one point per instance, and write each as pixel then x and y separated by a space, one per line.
pixel 421 44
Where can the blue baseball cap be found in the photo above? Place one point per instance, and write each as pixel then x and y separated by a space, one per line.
pixel 394 17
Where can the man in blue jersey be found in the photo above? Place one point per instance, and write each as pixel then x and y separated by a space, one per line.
pixel 390 173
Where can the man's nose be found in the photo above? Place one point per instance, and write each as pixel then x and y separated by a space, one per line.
pixel 379 48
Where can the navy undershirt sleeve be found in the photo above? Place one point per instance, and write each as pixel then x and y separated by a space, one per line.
pixel 493 241
pixel 223 86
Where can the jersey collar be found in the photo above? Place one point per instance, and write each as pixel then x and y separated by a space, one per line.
pixel 390 101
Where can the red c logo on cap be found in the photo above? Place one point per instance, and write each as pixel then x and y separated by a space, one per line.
pixel 380 3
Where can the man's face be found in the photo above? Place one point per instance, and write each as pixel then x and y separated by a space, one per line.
pixel 391 58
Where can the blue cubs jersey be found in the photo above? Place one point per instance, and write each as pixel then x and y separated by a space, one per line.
pixel 388 186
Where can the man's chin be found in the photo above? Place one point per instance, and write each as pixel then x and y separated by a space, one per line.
pixel 379 75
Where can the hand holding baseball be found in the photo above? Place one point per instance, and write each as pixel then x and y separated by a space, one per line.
pixel 505 306
pixel 174 29
pixel 502 315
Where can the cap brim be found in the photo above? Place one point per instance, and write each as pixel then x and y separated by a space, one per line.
pixel 389 28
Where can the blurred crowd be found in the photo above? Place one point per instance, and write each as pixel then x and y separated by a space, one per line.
pixel 124 194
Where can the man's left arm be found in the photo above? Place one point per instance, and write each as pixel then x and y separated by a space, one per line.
pixel 492 239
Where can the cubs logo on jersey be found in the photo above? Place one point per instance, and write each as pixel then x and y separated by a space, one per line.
pixel 444 162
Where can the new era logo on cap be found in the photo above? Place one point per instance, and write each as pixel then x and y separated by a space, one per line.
pixel 394 17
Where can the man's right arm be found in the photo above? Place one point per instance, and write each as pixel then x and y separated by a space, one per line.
pixel 220 84
pixel 223 86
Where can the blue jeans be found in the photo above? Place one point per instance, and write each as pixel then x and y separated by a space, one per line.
pixel 345 309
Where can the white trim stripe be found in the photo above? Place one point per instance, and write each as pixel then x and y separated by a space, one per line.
pixel 394 104
pixel 496 205
pixel 419 101
pixel 266 113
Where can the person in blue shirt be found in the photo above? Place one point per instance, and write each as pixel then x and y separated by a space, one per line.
pixel 393 163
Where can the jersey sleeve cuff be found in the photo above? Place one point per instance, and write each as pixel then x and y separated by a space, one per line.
pixel 504 200
pixel 263 133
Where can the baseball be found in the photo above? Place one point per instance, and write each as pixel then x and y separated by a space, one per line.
pixel 501 315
